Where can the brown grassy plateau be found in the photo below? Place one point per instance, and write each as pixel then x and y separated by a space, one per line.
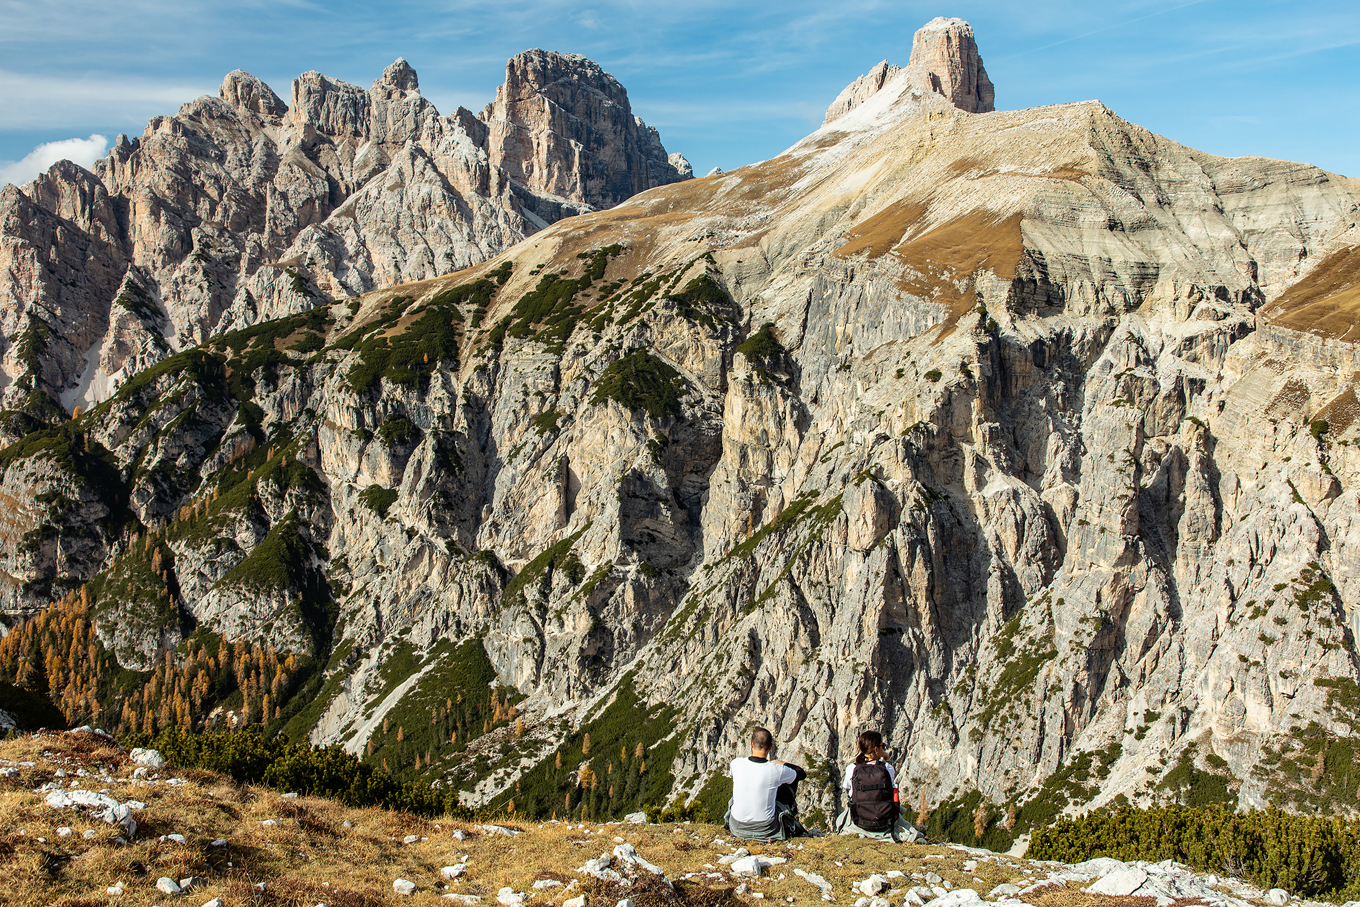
pixel 317 851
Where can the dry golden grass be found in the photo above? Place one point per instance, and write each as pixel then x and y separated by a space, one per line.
pixel 311 856
pixel 944 258
pixel 877 235
pixel 1327 301
pixel 1342 412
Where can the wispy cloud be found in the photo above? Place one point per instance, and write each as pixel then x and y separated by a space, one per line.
pixel 46 101
pixel 80 151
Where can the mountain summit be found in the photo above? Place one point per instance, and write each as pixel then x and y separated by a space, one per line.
pixel 944 61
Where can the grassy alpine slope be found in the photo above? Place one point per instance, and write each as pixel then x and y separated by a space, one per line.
pixel 247 844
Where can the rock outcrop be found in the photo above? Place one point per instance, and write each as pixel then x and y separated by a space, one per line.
pixel 944 62
pixel 562 127
pixel 859 91
pixel 242 207
pixel 1033 450
pixel 944 57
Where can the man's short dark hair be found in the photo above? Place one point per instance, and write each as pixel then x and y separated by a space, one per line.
pixel 762 740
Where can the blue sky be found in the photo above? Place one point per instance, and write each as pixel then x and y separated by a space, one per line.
pixel 727 84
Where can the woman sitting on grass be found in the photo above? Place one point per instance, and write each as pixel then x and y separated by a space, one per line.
pixel 871 796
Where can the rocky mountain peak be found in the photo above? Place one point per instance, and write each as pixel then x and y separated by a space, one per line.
pixel 247 92
pixel 241 207
pixel 861 89
pixel 944 62
pixel 561 125
pixel 557 76
pixel 944 58
pixel 400 76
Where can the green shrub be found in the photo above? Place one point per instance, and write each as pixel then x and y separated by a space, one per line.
pixel 248 756
pixel 628 746
pixel 456 699
pixel 545 423
pixel 378 499
pixel 310 342
pixel 934 375
pixel 703 300
pixel 642 381
pixel 1309 856
pixel 397 430
pixel 762 345
pixel 558 558
pixel 407 359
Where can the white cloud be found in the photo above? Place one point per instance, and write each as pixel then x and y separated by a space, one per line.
pixel 80 151
pixel 47 102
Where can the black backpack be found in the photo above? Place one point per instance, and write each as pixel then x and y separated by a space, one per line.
pixel 871 797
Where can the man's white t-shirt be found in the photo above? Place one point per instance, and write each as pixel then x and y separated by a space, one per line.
pixel 850 771
pixel 754 785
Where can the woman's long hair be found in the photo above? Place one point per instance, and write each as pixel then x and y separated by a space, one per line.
pixel 868 742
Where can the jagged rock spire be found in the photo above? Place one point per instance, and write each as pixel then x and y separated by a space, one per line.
pixel 944 58
pixel 944 61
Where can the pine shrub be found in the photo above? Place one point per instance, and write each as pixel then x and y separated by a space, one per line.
pixel 1309 856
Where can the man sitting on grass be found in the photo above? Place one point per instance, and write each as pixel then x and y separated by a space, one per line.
pixel 764 791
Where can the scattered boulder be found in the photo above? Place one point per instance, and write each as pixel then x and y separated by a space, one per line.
pixel 600 868
pixel 449 873
pixel 149 758
pixel 754 866
pixel 404 886
pixel 510 897
pixel 1121 882
pixel 627 855
pixel 875 884
pixel 813 878
pixel 493 830
pixel 101 806
pixel 168 886
pixel 960 897
pixel 1277 896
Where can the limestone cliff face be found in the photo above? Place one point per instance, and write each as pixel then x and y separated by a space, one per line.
pixel 242 207
pixel 1029 439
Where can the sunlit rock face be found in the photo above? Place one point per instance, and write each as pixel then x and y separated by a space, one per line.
pixel 1028 438
pixel 241 208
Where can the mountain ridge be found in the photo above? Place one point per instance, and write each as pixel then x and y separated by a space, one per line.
pixel 242 207
pixel 980 429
